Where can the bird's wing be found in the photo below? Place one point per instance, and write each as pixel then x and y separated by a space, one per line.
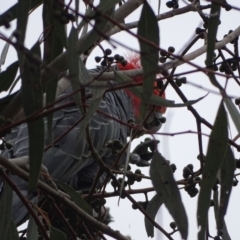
pixel 69 159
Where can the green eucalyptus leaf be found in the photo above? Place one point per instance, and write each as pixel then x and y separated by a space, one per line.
pixel 157 101
pixel 5 100
pixel 234 113
pixel 14 84
pixel 148 29
pixel 154 100
pixel 7 77
pixel 84 75
pixel 5 210
pixel 5 50
pixel 104 6
pixel 32 101
pixel 99 27
pixel 12 232
pixel 22 19
pixel 225 235
pixel 152 208
pixel 79 76
pixel 98 89
pixel 54 41
pixel 216 151
pixel 11 13
pixel 61 33
pixel 76 10
pixel 32 229
pixel 73 66
pixel 76 197
pixel 226 180
pixel 166 187
pixel 211 37
pixel 56 234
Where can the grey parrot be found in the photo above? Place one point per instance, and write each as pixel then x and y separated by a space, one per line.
pixel 69 160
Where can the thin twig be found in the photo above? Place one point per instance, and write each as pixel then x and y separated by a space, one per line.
pixel 56 195
pixel 61 216
pixel 25 202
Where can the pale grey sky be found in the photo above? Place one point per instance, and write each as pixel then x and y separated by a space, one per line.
pixel 179 149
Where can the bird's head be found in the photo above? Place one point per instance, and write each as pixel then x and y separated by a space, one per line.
pixel 155 120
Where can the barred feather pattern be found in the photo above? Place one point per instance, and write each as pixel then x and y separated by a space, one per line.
pixel 69 160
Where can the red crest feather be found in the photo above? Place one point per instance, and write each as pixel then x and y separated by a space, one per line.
pixel 133 60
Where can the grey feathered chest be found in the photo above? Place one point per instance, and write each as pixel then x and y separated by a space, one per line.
pixel 69 160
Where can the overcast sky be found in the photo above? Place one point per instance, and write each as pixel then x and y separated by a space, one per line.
pixel 179 149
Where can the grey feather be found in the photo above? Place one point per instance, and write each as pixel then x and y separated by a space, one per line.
pixel 69 160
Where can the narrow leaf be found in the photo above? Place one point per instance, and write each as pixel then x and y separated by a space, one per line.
pixel 7 77
pixel 154 100
pixel 226 181
pixel 11 13
pixel 73 65
pixel 14 84
pixel 61 33
pixel 5 50
pixel 231 107
pixel 215 155
pixel 5 210
pixel 56 234
pixel 22 19
pixel 99 26
pixel 166 187
pixel 54 41
pixel 32 229
pixel 79 76
pixel 224 230
pixel 126 165
pixel 12 232
pixel 148 29
pixel 32 101
pixel 76 10
pixel 5 101
pixel 76 197
pixel 84 75
pixel 211 37
pixel 157 101
pixel 152 208
pixel 104 6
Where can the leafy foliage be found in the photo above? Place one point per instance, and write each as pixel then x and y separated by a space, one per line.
pixel 69 38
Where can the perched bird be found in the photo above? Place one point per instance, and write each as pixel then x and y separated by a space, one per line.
pixel 69 160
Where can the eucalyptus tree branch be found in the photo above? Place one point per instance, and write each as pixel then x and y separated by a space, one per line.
pixel 177 62
pixel 61 216
pixel 57 195
pixel 202 50
pixel 140 208
pixel 189 8
pixel 26 204
pixel 15 104
pixel 193 110
pixel 60 63
pixel 104 167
